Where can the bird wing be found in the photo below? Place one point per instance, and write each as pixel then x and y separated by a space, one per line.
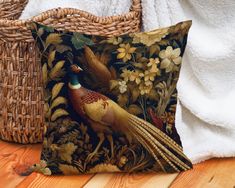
pixel 96 107
pixel 92 96
pixel 95 66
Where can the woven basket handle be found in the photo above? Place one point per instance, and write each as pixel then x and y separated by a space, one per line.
pixel 136 5
pixel 62 12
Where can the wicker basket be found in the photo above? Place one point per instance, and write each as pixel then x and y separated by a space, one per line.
pixel 11 9
pixel 21 92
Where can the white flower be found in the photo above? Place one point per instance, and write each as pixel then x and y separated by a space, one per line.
pixel 170 58
pixel 122 86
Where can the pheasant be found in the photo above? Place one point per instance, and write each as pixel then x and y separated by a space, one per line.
pixel 105 116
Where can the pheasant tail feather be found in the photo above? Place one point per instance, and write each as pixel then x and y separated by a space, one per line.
pixel 158 144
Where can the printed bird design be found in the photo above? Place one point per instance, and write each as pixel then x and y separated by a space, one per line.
pixel 96 65
pixel 105 116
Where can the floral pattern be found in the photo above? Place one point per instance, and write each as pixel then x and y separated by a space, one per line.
pixel 138 71
pixel 170 58
pixel 125 52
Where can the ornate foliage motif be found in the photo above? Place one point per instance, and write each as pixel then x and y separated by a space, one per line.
pixel 137 71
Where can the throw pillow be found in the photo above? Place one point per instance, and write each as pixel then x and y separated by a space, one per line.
pixel 110 102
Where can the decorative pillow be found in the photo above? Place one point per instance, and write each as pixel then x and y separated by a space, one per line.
pixel 110 102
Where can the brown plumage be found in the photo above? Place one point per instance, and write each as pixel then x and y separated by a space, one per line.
pixel 106 116
pixel 96 66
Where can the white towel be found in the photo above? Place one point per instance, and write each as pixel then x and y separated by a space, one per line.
pixel 96 7
pixel 206 86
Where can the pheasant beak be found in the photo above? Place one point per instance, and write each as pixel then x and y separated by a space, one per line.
pixel 75 68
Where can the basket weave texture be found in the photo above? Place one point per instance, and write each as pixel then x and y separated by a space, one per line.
pixel 21 87
pixel 11 9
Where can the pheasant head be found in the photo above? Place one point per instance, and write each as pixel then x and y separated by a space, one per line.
pixel 74 70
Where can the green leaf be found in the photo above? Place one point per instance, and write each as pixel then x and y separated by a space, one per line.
pixel 175 44
pixel 40 32
pixel 47 28
pixel 79 41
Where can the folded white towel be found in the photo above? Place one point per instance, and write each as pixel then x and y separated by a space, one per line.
pixel 206 86
pixel 202 141
pixel 96 7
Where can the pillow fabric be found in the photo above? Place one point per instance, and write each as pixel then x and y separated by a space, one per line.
pixel 110 102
